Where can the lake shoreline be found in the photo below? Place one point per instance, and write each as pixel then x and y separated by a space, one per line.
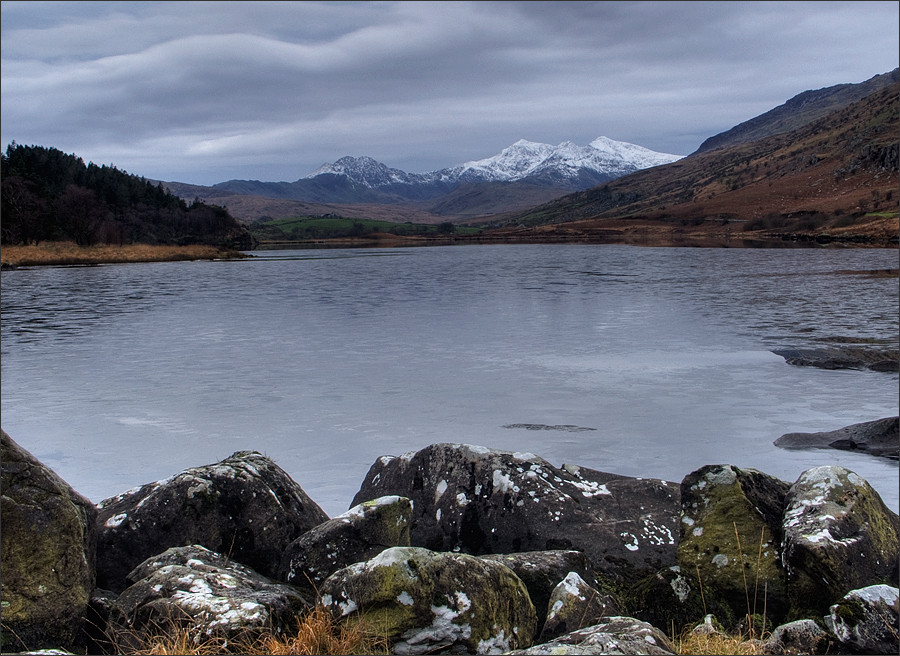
pixel 70 254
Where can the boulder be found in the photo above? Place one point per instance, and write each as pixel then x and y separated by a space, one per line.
pixel 48 550
pixel 866 620
pixel 245 506
pixel 359 534
pixel 843 357
pixel 615 635
pixel 424 602
pixel 541 572
pixel 731 536
pixel 202 592
pixel 574 605
pixel 879 438
pixel 799 637
pixel 838 536
pixel 480 501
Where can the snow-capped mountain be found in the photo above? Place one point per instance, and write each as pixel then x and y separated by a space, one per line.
pixel 603 159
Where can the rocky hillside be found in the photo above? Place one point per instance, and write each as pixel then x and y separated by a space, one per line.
pixel 833 174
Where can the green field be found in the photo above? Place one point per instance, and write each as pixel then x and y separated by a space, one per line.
pixel 332 227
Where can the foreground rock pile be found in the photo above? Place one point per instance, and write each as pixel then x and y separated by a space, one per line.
pixel 455 548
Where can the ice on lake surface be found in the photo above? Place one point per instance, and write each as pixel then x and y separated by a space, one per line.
pixel 325 360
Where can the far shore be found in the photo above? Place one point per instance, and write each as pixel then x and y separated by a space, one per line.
pixel 69 253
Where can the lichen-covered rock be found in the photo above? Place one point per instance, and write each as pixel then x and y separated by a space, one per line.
pixel 203 593
pixel 731 536
pixel 866 620
pixel 838 536
pixel 673 595
pixel 245 506
pixel 574 605
pixel 48 548
pixel 879 438
pixel 360 533
pixel 480 501
pixel 615 635
pixel 799 637
pixel 541 572
pixel 423 601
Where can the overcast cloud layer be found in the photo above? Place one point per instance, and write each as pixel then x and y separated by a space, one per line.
pixel 204 92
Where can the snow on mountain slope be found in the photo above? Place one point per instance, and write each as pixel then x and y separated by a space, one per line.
pixel 524 159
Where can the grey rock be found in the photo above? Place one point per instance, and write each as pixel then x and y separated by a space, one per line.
pixel 799 637
pixel 541 572
pixel 48 551
pixel 838 536
pixel 879 438
pixel 359 534
pixel 425 602
pixel 573 605
pixel 847 357
pixel 616 635
pixel 866 620
pixel 202 592
pixel 480 501
pixel 245 506
pixel 731 537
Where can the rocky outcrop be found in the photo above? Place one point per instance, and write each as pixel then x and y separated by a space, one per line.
pixel 731 536
pixel 480 501
pixel 615 635
pixel 879 438
pixel 424 602
pixel 573 605
pixel 359 534
pixel 866 620
pixel 203 592
pixel 838 536
pixel 245 506
pixel 799 637
pixel 847 357
pixel 48 551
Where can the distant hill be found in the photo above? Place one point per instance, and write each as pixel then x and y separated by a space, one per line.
pixel 48 195
pixel 521 176
pixel 830 174
pixel 798 111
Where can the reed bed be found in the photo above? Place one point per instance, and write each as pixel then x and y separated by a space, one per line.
pixel 69 253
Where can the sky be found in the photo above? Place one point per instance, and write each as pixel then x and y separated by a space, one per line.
pixel 204 92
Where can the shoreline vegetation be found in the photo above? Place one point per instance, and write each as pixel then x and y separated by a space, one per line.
pixel 56 253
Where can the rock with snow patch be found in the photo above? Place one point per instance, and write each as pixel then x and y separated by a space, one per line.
pixel 203 593
pixel 48 546
pixel 245 506
pixel 838 536
pixel 866 620
pixel 799 637
pixel 479 501
pixel 541 572
pixel 424 602
pixel 361 533
pixel 731 536
pixel 615 635
pixel 574 605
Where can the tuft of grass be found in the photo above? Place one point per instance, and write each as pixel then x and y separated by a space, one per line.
pixel 69 253
pixel 717 643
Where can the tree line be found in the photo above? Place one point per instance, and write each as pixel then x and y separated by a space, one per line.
pixel 48 195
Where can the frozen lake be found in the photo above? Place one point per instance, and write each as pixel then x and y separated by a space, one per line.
pixel 324 360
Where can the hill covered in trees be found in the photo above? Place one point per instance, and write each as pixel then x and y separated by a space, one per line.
pixel 48 195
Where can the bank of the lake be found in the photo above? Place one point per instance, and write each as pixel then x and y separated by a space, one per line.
pixel 68 253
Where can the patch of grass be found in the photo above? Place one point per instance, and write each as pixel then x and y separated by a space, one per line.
pixel 69 253
pixel 717 643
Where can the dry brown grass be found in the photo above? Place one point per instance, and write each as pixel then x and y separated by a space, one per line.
pixel 317 632
pixel 717 643
pixel 61 253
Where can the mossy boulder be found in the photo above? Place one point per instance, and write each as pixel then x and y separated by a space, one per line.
pixel 424 602
pixel 244 506
pixel 359 534
pixel 838 536
pixel 573 605
pixel 481 501
pixel 200 592
pixel 800 637
pixel 48 546
pixel 731 537
pixel 866 620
